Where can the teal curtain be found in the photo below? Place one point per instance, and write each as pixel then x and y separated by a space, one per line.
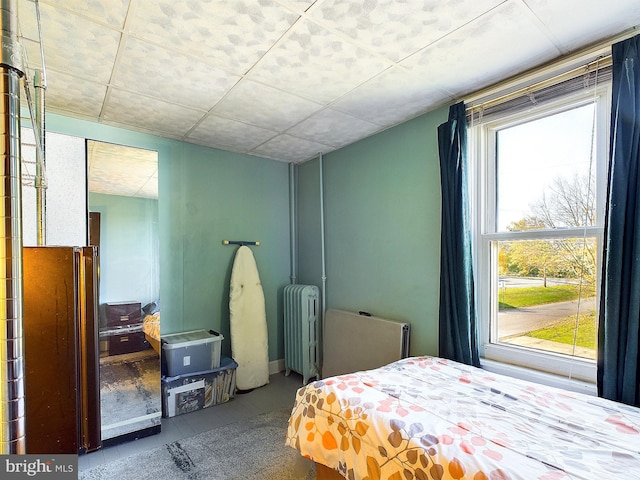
pixel 619 327
pixel 457 324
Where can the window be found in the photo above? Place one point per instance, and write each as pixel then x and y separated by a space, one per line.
pixel 539 171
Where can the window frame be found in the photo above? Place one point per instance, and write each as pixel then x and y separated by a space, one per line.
pixel 483 183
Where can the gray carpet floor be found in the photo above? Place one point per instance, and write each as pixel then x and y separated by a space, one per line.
pixel 251 449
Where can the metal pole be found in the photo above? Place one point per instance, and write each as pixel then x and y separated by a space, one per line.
pixel 41 200
pixel 12 405
pixel 322 249
pixel 292 222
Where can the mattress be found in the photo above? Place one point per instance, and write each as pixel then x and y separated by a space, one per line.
pixel 427 417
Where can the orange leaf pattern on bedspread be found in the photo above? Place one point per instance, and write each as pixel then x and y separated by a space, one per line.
pixel 433 419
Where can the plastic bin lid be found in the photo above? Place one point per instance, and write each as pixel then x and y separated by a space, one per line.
pixel 226 364
pixel 185 339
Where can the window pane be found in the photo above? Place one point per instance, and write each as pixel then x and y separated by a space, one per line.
pixel 544 179
pixel 546 295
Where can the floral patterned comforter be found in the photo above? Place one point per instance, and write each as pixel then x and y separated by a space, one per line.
pixel 151 329
pixel 151 325
pixel 431 418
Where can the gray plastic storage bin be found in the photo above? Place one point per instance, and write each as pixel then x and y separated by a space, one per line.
pixel 190 352
pixel 187 393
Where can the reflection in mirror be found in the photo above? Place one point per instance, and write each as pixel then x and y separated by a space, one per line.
pixel 123 204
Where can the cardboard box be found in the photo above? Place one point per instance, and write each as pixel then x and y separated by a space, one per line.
pixel 189 352
pixel 187 393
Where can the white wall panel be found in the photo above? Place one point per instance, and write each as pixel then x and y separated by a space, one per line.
pixel 66 192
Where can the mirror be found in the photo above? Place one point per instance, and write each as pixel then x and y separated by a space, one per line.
pixel 123 223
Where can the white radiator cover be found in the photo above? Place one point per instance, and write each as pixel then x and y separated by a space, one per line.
pixel 354 342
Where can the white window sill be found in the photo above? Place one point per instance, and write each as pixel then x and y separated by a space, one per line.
pixel 543 378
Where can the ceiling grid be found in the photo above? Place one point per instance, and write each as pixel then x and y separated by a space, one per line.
pixel 286 79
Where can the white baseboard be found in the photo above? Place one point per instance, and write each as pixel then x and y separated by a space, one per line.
pixel 276 366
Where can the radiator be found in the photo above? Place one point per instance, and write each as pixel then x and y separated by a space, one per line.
pixel 301 331
pixel 355 341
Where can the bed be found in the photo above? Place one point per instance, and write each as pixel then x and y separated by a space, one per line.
pixel 431 418
pixel 151 329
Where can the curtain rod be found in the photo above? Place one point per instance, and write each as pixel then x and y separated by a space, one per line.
pixel 595 65
pixel 550 72
pixel 239 242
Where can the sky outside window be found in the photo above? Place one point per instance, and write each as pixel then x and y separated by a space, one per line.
pixel 531 155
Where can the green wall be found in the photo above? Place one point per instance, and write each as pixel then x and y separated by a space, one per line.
pixel 382 212
pixel 206 196
pixel 382 227
pixel 227 196
pixel 129 256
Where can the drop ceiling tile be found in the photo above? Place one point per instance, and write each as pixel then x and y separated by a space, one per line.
pixel 590 21
pixel 395 96
pixel 82 39
pixel 75 96
pixel 128 184
pixel 27 19
pixel 298 5
pixel 316 64
pixel 111 12
pixel 502 43
pixel 334 128
pixel 125 187
pixel 229 133
pixel 149 189
pixel 104 12
pixel 113 175
pixel 78 46
pixel 264 106
pixel 234 33
pixel 291 149
pixel 28 37
pixel 398 29
pixel 171 76
pixel 119 170
pixel 111 184
pixel 137 162
pixel 127 108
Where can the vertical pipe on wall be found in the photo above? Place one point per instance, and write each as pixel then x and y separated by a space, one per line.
pixel 292 221
pixel 322 247
pixel 12 423
pixel 41 205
